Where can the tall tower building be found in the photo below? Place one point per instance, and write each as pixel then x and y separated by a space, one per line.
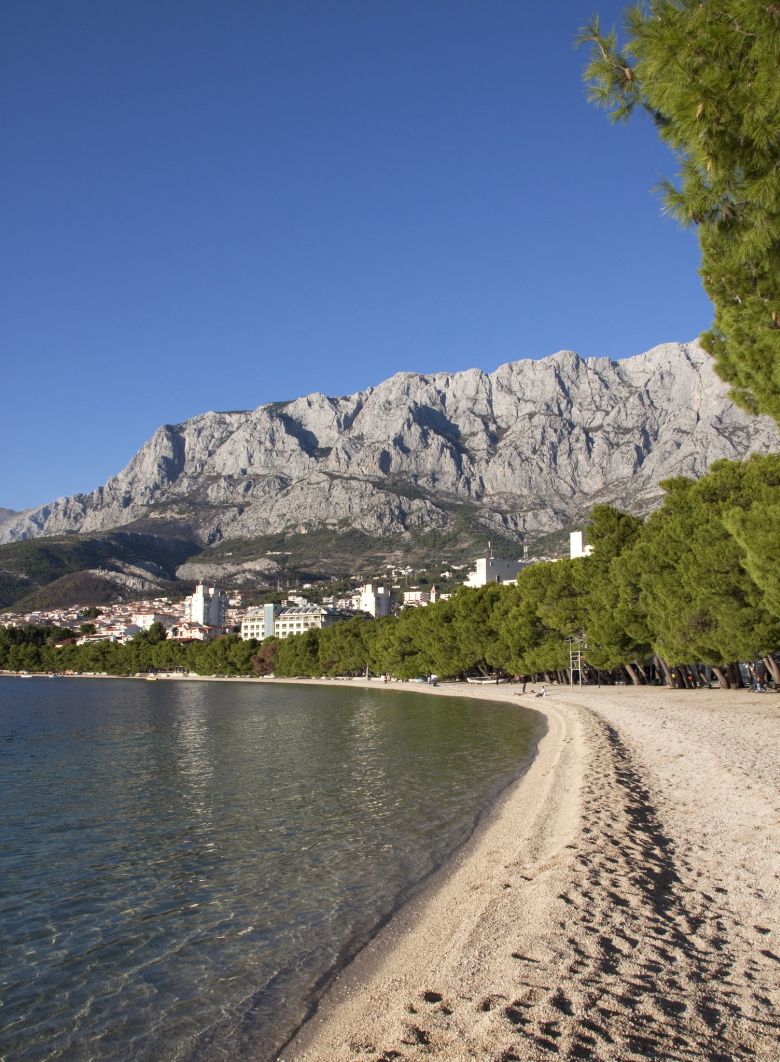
pixel 207 606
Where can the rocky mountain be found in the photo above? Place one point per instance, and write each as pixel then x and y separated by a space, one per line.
pixel 522 451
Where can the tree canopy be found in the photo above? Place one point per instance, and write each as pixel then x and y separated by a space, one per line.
pixel 695 583
pixel 707 73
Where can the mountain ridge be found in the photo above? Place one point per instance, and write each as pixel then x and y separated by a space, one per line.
pixel 529 448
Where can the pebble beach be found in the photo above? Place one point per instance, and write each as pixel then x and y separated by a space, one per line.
pixel 622 900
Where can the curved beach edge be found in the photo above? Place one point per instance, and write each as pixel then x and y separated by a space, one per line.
pixel 621 900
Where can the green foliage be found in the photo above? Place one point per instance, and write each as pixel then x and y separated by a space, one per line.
pixel 698 581
pixel 537 615
pixel 264 659
pixel 342 648
pixel 26 648
pixel 613 630
pixel 754 521
pixel 707 73
pixel 688 576
pixel 299 655
pixel 156 633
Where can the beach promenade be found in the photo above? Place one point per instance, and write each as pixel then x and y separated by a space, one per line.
pixel 621 902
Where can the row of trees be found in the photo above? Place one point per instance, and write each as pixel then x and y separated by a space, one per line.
pixel 53 649
pixel 696 583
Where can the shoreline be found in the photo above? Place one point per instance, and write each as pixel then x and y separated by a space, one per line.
pixel 620 899
pixel 417 895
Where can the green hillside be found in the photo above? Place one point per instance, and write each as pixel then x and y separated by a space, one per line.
pixel 26 568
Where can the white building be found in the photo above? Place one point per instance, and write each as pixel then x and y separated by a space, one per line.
pixel 492 570
pixel 260 623
pixel 420 598
pixel 300 618
pixel 194 632
pixel 375 600
pixel 144 620
pixel 577 547
pixel 206 606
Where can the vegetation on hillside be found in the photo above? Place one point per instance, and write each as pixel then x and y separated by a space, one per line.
pixel 53 572
pixel 332 553
pixel 29 568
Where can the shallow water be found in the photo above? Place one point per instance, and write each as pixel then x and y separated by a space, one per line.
pixel 181 864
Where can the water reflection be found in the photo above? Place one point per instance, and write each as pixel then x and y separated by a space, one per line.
pixel 195 765
pixel 181 863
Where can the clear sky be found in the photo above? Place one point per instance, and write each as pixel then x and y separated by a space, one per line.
pixel 212 204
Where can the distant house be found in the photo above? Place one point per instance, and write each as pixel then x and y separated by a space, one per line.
pixel 144 620
pixel 258 623
pixel 194 632
pixel 492 570
pixel 111 632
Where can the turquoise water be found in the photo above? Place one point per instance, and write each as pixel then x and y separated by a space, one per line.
pixel 183 865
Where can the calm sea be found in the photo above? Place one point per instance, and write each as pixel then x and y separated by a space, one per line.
pixel 183 865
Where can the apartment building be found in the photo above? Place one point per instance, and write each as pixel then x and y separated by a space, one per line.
pixel 260 623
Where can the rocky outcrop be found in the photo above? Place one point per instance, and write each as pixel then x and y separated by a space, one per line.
pixel 260 571
pixel 528 448
pixel 6 515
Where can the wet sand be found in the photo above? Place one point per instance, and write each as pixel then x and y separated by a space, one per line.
pixel 622 902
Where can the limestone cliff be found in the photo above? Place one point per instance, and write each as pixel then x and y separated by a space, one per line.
pixel 528 448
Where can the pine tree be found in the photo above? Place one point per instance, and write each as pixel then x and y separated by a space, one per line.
pixel 707 72
pixel 609 619
pixel 688 576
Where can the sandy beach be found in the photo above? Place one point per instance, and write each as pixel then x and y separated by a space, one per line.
pixel 621 902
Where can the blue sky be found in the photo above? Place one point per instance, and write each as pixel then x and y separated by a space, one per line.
pixel 211 205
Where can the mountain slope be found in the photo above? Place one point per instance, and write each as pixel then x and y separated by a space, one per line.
pixel 89 569
pixel 525 450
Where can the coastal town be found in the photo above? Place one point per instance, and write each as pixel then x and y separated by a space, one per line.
pixel 211 612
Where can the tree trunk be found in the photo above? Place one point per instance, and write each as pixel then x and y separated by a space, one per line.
pixel 723 682
pixel 773 668
pixel 735 677
pixel 701 675
pixel 666 670
pixel 632 672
